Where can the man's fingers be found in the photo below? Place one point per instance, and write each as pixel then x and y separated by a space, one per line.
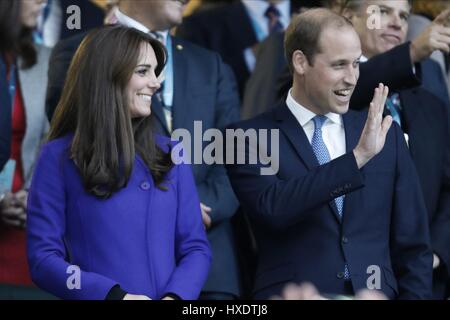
pixel 205 207
pixel 384 98
pixel 376 97
pixel 13 212
pixel 443 17
pixel 206 220
pixel 443 34
pixel 12 222
pixel 386 125
pixel 441 45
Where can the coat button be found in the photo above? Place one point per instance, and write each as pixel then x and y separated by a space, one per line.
pixel 145 185
pixel 344 240
pixel 340 275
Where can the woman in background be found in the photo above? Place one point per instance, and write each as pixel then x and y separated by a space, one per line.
pixel 110 215
pixel 23 80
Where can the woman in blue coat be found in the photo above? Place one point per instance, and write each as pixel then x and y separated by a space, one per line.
pixel 109 214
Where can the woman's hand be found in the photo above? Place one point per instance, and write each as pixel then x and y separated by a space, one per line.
pixel 13 209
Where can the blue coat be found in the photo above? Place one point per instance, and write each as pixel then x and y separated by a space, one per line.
pixel 301 236
pixel 148 241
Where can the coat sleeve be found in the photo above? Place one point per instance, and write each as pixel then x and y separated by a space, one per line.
pixel 410 242
pixel 393 68
pixel 47 256
pixel 193 254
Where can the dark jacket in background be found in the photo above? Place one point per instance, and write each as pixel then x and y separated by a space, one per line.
pixel 5 117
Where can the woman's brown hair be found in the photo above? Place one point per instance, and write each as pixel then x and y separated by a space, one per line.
pixel 94 106
pixel 15 39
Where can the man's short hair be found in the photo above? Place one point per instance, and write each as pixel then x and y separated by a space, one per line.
pixel 305 30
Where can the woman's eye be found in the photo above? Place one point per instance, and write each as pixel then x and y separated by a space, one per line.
pixel 142 72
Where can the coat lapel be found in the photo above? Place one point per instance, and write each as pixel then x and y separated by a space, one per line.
pixel 295 134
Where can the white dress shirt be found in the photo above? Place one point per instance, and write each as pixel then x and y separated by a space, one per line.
pixel 126 21
pixel 333 132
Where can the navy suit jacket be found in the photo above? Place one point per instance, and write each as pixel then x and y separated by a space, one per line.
pixel 204 90
pixel 425 120
pixel 5 117
pixel 299 233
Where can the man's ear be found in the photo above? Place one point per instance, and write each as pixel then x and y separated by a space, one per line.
pixel 349 14
pixel 299 62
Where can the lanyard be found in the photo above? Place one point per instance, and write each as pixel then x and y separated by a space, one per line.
pixel 11 81
pixel 168 82
pixel 12 84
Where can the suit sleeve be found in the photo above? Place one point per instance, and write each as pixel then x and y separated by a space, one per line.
pixel 59 64
pixel 393 68
pixel 193 253
pixel 47 255
pixel 215 191
pixel 440 226
pixel 410 242
pixel 281 203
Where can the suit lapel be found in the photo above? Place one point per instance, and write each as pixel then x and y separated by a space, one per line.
pixel 289 125
pixel 179 108
pixel 296 135
pixel 159 118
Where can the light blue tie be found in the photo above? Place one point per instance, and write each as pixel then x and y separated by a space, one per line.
pixel 323 156
pixel 393 105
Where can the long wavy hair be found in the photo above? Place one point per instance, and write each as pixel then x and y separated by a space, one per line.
pixel 94 106
pixel 16 39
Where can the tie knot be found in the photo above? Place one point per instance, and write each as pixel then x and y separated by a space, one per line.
pixel 272 12
pixel 319 121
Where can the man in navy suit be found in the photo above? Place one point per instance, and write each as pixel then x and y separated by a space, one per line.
pixel 198 86
pixel 423 116
pixel 344 210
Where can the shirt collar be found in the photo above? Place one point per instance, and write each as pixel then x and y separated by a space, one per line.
pixel 125 20
pixel 304 115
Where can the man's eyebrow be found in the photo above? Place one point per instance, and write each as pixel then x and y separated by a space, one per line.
pixel 383 6
pixel 340 61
